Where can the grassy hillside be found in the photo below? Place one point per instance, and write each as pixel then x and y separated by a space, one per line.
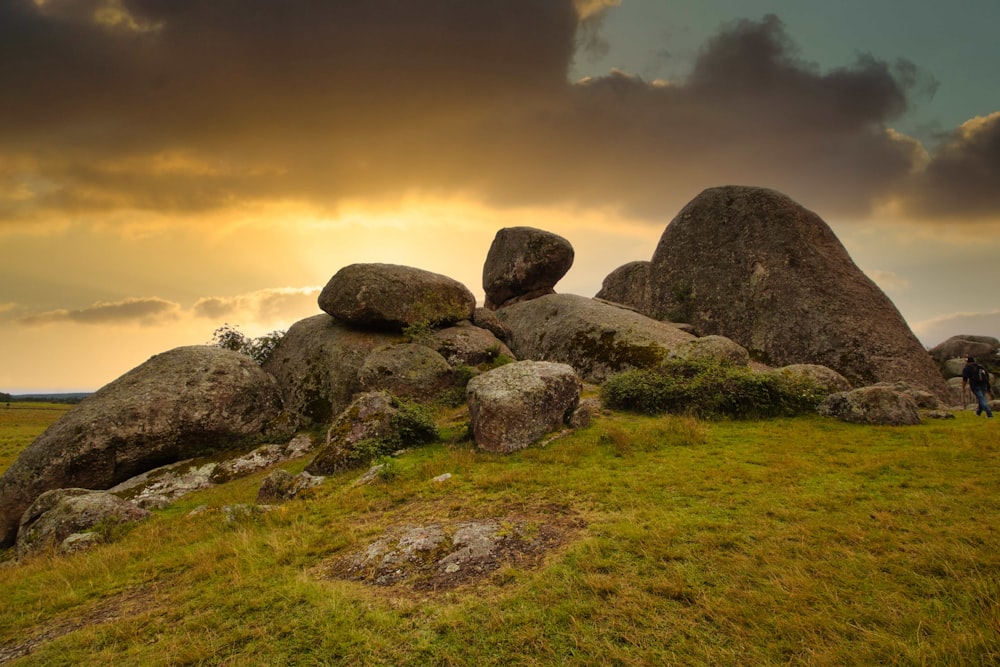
pixel 670 541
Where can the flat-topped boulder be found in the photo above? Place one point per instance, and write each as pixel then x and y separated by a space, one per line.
pixel 392 297
pixel 596 338
pixel 183 403
pixel 524 263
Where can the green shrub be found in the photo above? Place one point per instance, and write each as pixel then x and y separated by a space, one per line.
pixel 709 388
pixel 259 349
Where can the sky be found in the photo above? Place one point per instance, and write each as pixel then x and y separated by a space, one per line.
pixel 171 166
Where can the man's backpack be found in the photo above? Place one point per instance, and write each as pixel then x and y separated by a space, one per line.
pixel 982 375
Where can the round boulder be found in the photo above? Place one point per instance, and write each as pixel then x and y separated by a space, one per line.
pixel 513 406
pixel 825 378
pixel 390 296
pixel 467 345
pixel 879 405
pixel 712 347
pixel 179 404
pixel 524 263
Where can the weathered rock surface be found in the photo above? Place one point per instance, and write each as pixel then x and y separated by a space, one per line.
pixel 825 378
pixel 372 417
pixel 441 556
pixel 162 486
pixel 179 404
pixel 966 345
pixel 281 485
pixel 59 513
pixel 317 365
pixel 406 370
pixel 754 266
pixel 880 405
pixel 390 296
pixel 596 338
pixel 712 347
pixel 629 285
pixel 484 318
pixel 524 263
pixel 468 345
pixel 514 405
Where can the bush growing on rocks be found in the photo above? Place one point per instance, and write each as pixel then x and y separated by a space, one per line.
pixel 710 388
pixel 259 349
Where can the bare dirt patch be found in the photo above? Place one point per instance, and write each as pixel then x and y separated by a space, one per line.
pixel 440 556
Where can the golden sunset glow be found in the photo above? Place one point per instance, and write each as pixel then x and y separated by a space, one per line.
pixel 167 168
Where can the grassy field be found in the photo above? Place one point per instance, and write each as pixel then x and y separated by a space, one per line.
pixel 783 542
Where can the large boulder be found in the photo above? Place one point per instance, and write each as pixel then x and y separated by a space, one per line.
pixel 965 345
pixel 596 338
pixel 754 266
pixel 179 404
pixel 317 365
pixel 59 513
pixel 514 405
pixel 406 370
pixel 524 263
pixel 877 404
pixel 390 296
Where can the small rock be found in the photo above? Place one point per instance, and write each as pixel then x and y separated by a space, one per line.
pixel 442 478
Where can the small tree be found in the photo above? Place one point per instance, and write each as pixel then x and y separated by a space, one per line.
pixel 259 349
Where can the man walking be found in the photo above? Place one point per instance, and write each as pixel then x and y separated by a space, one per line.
pixel 977 378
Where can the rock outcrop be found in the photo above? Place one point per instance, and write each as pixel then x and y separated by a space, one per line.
pixel 524 263
pixel 512 406
pixel 754 266
pixel 57 514
pixel 596 338
pixel 391 297
pixel 177 405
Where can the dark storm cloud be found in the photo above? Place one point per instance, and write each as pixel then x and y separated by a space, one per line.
pixel 963 178
pixel 145 312
pixel 185 105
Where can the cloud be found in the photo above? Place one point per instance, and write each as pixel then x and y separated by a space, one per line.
pixel 144 312
pixel 187 106
pixel 961 180
pixel 938 329
pixel 263 306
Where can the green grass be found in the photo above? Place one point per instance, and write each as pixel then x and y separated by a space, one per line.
pixel 799 541
pixel 20 423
